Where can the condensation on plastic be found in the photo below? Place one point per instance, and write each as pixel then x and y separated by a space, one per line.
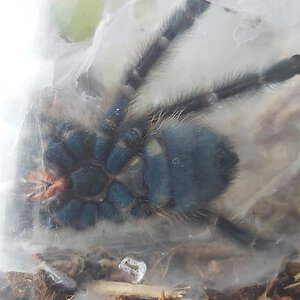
pixel 248 33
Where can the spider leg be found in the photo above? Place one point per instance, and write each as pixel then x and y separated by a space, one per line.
pixel 247 83
pixel 180 21
pixel 247 237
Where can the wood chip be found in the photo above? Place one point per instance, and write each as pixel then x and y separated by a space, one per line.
pixel 111 289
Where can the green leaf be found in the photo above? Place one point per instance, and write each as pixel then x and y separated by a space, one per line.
pixel 78 19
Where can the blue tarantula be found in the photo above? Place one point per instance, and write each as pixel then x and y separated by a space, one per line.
pixel 149 165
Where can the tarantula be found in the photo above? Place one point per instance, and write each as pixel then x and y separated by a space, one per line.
pixel 155 164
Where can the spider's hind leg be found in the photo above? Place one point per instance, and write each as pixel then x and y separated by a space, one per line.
pixel 243 235
pixel 247 83
pixel 253 240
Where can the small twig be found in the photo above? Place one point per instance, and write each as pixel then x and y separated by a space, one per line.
pixel 119 289
pixel 271 283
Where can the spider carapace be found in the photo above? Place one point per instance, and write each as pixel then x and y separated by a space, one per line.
pixel 155 164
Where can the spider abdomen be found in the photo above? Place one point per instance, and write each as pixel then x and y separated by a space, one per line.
pixel 187 166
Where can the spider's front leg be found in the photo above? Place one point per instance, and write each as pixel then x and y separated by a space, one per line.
pixel 179 22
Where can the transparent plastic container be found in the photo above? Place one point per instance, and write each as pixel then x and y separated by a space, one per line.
pixel 75 225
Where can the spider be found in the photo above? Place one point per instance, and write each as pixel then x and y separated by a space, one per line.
pixel 157 164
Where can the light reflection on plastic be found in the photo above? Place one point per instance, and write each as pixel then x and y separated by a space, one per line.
pixel 18 67
pixel 17 30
